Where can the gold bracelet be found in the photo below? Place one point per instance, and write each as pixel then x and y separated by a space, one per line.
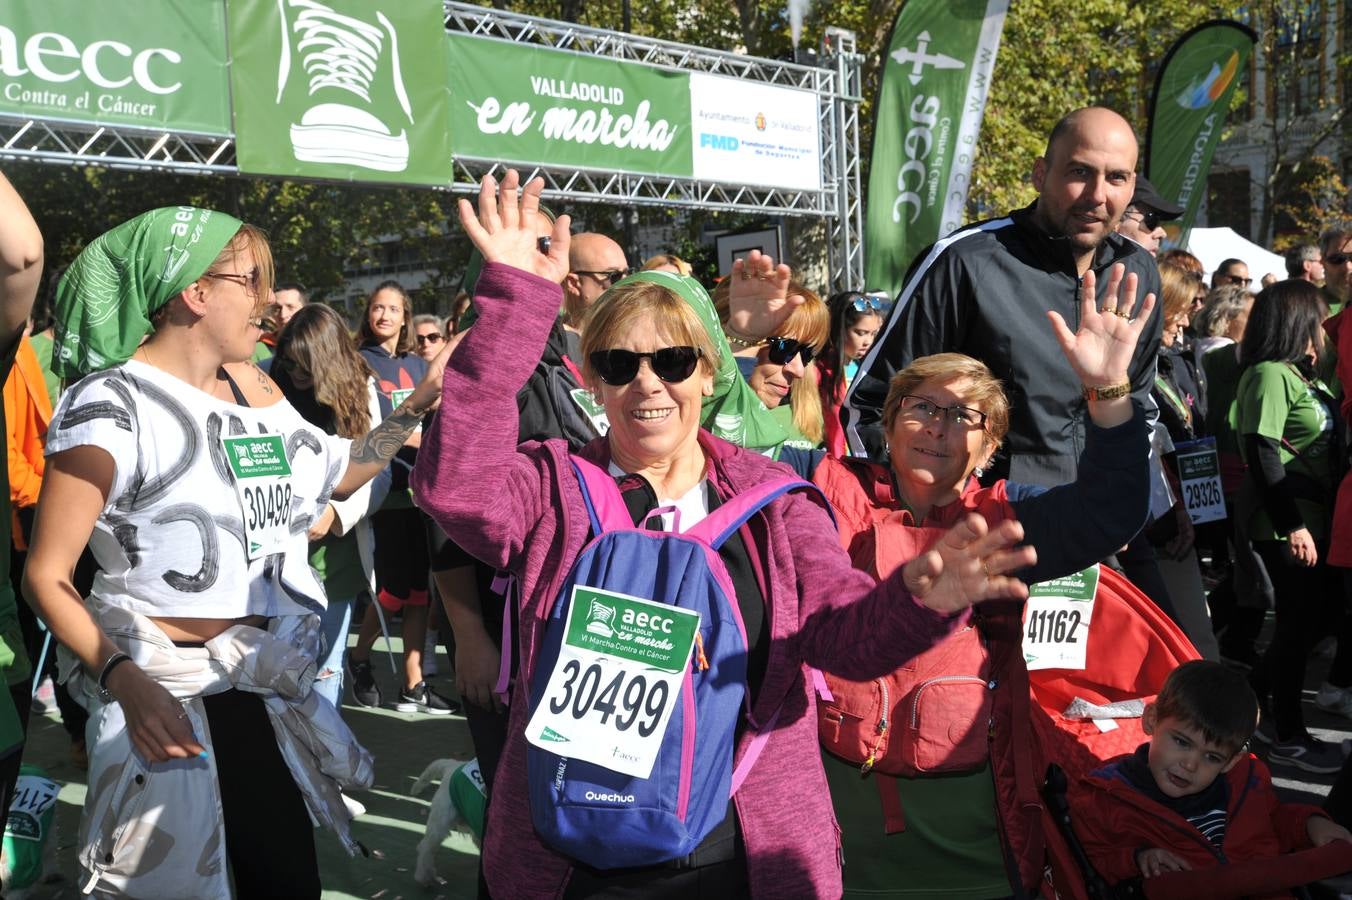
pixel 1108 392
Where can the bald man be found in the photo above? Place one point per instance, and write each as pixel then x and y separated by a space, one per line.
pixel 985 291
pixel 595 262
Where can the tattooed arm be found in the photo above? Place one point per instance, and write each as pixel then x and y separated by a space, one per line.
pixel 373 451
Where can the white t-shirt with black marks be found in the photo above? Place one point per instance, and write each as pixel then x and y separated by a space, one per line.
pixel 170 541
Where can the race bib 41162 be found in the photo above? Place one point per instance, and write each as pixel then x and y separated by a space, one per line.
pixel 1056 620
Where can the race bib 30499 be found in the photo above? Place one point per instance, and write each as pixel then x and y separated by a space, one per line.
pixel 617 679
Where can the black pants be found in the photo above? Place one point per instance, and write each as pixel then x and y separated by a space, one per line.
pixel 401 557
pixel 1309 606
pixel 268 835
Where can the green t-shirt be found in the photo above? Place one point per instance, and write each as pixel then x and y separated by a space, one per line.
pixel 950 848
pixel 1274 401
pixel 337 560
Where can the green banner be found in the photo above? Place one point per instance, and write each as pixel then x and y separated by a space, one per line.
pixel 526 104
pixel 151 63
pixel 929 108
pixel 344 89
pixel 1188 109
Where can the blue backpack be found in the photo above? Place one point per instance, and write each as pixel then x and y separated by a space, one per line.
pixel 608 819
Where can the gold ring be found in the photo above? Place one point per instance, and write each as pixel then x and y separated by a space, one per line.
pixel 985 569
pixel 1122 315
pixel 746 275
pixel 1110 310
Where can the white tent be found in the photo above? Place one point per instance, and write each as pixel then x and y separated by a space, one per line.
pixel 1215 245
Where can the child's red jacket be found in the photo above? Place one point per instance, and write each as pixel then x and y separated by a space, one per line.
pixel 1114 820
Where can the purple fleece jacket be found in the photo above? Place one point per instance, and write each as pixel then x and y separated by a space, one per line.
pixel 520 508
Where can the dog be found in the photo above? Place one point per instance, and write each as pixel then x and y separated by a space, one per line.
pixel 459 803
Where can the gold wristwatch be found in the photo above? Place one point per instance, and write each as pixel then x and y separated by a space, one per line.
pixel 1110 392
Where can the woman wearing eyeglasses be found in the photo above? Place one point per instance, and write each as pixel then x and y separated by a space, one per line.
pixel 856 320
pixel 194 482
pixel 650 362
pixel 965 831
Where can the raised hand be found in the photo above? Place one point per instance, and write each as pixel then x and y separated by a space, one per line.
pixel 970 563
pixel 758 296
pixel 507 227
pixel 1100 352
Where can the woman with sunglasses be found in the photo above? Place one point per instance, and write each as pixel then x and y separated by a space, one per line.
pixel 427 335
pixel 856 319
pixel 194 483
pixel 650 362
pixel 966 831
pixel 775 366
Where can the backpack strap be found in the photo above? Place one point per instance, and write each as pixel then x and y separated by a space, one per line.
pixel 723 522
pixel 504 583
pixel 605 504
pixel 754 750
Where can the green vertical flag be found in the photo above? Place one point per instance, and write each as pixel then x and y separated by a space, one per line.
pixel 1188 109
pixel 934 86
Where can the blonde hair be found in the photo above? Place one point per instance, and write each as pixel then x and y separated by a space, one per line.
pixel 1177 288
pixel 619 309
pixel 808 323
pixel 666 259
pixel 984 391
pixel 249 237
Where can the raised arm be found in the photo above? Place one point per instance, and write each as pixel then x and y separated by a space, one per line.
pixel 470 477
pixel 20 259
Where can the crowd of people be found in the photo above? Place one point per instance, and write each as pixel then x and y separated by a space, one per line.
pixel 746 592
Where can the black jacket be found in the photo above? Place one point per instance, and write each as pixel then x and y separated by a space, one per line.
pixel 546 405
pixel 985 291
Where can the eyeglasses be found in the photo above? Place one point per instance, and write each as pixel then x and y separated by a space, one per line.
pixel 671 364
pixel 782 350
pixel 1150 220
pixel 608 276
pixel 431 337
pixel 865 303
pixel 923 409
pixel 1337 259
pixel 1236 279
pixel 251 280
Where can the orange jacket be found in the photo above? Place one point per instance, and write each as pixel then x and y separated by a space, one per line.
pixel 28 411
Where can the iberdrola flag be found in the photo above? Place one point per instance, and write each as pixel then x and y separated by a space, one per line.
pixel 1188 109
pixel 928 115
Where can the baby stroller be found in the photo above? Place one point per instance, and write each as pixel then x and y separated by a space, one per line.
pixel 1082 718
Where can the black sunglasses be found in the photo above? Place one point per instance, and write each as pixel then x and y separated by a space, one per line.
pixel 1337 259
pixel 431 337
pixel 782 350
pixel 1237 280
pixel 671 364
pixel 1150 219
pixel 609 276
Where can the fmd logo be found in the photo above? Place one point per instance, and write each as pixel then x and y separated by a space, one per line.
pixel 719 141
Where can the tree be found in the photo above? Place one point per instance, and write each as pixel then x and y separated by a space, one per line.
pixel 317 231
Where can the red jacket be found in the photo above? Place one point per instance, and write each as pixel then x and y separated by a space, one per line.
pixel 1114 820
pixel 862 496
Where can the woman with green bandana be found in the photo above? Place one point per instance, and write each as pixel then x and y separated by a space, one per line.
pixel 194 483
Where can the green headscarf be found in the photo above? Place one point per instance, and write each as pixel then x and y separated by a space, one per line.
pixel 104 301
pixel 734 412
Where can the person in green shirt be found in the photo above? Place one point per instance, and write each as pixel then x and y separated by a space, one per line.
pixel 1286 424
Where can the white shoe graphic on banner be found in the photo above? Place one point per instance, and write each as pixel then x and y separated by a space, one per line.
pixel 341 57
